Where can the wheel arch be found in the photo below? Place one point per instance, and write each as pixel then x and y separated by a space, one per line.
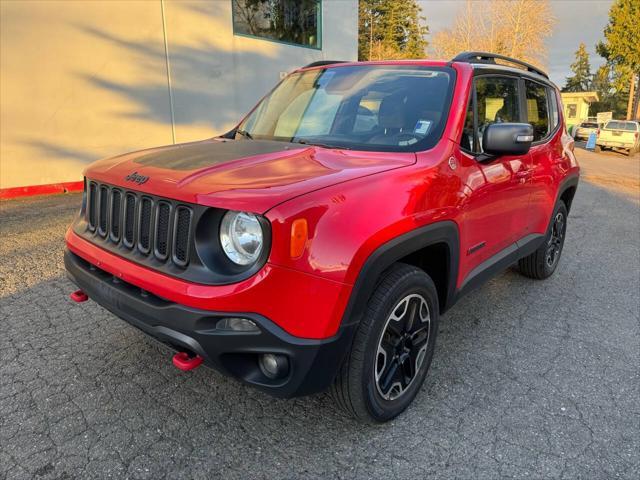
pixel 414 247
pixel 567 191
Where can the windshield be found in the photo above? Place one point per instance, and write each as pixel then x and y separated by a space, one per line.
pixel 370 107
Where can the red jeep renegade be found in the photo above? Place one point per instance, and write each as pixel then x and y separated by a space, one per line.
pixel 316 244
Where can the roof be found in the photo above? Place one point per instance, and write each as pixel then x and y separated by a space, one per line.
pixel 589 97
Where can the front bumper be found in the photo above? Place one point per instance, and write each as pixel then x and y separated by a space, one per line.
pixel 302 304
pixel 313 363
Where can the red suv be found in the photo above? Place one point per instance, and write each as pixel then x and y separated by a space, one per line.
pixel 316 244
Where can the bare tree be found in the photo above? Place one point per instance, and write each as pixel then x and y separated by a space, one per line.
pixel 516 28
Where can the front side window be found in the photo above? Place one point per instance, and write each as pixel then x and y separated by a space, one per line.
pixel 537 109
pixel 290 21
pixel 496 101
pixel 374 107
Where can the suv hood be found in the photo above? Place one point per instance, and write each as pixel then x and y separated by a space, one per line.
pixel 250 175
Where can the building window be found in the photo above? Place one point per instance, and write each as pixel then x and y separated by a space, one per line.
pixel 296 22
pixel 572 110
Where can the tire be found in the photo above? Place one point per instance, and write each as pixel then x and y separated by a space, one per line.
pixel 539 265
pixel 365 386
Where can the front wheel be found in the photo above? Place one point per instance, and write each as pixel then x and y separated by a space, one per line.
pixel 392 349
pixel 543 262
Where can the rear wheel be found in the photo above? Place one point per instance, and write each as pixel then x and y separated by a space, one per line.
pixel 392 349
pixel 543 262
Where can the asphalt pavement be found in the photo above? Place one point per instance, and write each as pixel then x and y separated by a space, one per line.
pixel 531 379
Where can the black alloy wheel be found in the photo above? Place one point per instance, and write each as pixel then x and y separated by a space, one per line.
pixel 556 240
pixel 402 346
pixel 393 346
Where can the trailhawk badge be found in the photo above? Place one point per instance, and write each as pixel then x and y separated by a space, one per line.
pixel 136 177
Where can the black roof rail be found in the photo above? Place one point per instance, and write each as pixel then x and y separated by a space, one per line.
pixel 490 58
pixel 321 63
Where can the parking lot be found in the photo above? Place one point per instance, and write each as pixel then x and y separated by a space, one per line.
pixel 530 379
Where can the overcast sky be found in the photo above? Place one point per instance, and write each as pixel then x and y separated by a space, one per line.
pixel 576 21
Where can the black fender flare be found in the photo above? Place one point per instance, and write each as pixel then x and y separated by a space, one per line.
pixel 390 252
pixel 570 181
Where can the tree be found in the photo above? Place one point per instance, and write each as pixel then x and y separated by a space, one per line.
pixel 621 48
pixel 391 29
pixel 613 88
pixel 582 79
pixel 516 28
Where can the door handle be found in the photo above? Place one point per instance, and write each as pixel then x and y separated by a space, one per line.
pixel 523 175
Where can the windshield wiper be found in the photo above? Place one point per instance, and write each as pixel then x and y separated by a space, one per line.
pixel 245 134
pixel 319 144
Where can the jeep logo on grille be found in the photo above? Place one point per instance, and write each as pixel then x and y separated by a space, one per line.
pixel 136 177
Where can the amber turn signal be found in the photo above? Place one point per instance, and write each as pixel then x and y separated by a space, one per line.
pixel 299 235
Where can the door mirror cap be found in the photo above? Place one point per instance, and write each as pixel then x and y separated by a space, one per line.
pixel 507 139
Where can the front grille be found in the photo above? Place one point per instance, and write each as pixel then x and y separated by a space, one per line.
pixel 102 209
pixel 144 239
pixel 116 220
pixel 156 228
pixel 183 218
pixel 162 229
pixel 91 206
pixel 129 220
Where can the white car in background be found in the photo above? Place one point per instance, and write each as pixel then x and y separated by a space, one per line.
pixel 585 129
pixel 619 134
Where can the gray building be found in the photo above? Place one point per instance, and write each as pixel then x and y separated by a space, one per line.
pixel 86 80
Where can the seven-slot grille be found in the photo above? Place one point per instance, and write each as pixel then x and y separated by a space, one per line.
pixel 158 227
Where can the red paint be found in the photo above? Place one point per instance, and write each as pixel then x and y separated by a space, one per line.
pixel 182 361
pixel 255 183
pixel 283 295
pixel 79 296
pixel 353 202
pixel 33 190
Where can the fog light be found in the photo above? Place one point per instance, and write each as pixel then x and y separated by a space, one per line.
pixel 237 325
pixel 274 365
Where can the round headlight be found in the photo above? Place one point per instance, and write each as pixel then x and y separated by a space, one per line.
pixel 241 237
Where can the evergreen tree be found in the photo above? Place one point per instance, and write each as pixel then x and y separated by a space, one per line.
pixel 391 29
pixel 612 89
pixel 622 52
pixel 581 68
pixel 622 35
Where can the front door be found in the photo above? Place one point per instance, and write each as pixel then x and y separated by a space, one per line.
pixel 496 195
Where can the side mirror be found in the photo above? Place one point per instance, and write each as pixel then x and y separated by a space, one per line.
pixel 507 139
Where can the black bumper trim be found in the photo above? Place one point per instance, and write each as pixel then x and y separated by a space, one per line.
pixel 313 363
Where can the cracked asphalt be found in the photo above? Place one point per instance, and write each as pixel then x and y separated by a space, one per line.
pixel 530 379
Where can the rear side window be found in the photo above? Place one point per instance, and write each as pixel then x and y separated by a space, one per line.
pixel 555 111
pixel 537 109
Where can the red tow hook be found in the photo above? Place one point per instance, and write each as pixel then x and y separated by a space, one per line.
pixel 184 362
pixel 79 296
